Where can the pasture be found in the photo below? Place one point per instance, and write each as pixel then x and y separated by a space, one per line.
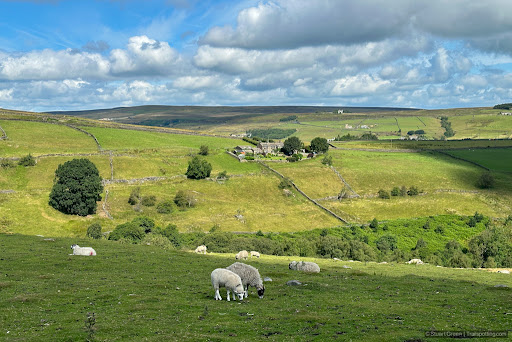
pixel 139 292
pixel 494 159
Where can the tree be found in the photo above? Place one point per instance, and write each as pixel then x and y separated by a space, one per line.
pixel 184 200
pixel 198 168
pixel 94 231
pixel 485 181
pixel 319 145
pixel 203 150
pixel 28 160
pixel 291 145
pixel 383 194
pixel 77 187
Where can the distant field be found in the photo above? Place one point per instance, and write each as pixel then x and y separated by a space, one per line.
pixel 41 138
pixel 494 159
pixel 482 126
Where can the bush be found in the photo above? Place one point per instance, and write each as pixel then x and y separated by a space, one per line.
pixel 157 240
pixel 165 207
pixel 413 191
pixel 145 223
pixel 384 194
pixel 485 181
pixel 327 160
pixel 148 201
pixel 295 157
pixel 134 196
pixel 386 243
pixel 6 163
pixel 403 191
pixel 285 183
pixel 77 187
pixel 198 168
pixel 128 231
pixel 27 161
pixel 223 175
pixel 203 150
pixel 172 234
pixel 94 231
pixel 395 191
pixel 184 200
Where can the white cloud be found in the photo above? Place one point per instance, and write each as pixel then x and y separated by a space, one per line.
pixel 196 82
pixel 6 94
pixel 359 85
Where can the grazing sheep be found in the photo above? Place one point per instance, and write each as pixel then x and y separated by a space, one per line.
pixel 255 254
pixel 77 250
pixel 415 261
pixel 305 266
pixel 201 249
pixel 242 255
pixel 222 277
pixel 250 277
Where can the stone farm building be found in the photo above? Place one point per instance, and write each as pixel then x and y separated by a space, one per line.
pixel 270 147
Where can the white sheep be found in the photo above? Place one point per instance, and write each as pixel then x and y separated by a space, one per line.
pixel 250 277
pixel 255 254
pixel 222 277
pixel 77 250
pixel 415 261
pixel 242 255
pixel 305 266
pixel 201 249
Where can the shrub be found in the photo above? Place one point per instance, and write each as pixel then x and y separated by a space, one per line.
pixel 374 224
pixel 6 163
pixel 327 160
pixel 203 150
pixel 383 194
pixel 157 240
pixel 172 234
pixel 27 161
pixel 165 207
pixel 76 188
pixel 403 191
pixel 134 196
pixel 386 243
pixel 128 231
pixel 184 200
pixel 145 223
pixel 198 168
pixel 94 231
pixel 295 157
pixel 223 175
pixel 395 191
pixel 413 191
pixel 285 183
pixel 485 181
pixel 148 201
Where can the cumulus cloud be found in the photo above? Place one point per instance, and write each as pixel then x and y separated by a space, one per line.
pixel 96 46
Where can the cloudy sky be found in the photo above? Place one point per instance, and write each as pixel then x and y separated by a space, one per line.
pixel 73 55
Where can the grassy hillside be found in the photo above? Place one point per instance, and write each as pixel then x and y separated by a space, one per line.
pixel 139 292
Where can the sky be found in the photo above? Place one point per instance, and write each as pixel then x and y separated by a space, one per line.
pixel 79 55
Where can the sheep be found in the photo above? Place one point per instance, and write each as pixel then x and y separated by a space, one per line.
pixel 222 277
pixel 305 266
pixel 242 255
pixel 201 249
pixel 77 250
pixel 415 261
pixel 250 277
pixel 255 254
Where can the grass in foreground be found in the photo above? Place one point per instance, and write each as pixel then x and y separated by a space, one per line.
pixel 135 292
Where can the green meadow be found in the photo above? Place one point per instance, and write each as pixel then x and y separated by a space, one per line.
pixel 494 159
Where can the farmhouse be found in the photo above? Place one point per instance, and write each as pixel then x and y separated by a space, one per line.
pixel 270 147
pixel 244 149
pixel 340 111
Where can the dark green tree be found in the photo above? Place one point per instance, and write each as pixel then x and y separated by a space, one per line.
pixel 319 145
pixel 291 145
pixel 485 181
pixel 204 150
pixel 94 231
pixel 27 161
pixel 198 168
pixel 77 187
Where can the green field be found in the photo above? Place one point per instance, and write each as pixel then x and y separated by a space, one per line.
pixel 494 159
pixel 139 292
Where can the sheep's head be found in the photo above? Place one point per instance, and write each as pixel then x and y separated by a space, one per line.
pixel 239 291
pixel 74 246
pixel 261 290
pixel 292 264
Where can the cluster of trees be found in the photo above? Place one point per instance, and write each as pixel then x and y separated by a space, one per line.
pixel 418 132
pixel 165 206
pixel 289 118
pixel 503 106
pixel 27 160
pixel 262 134
pixel 364 136
pixel 447 125
pixel 399 191
pixel 294 144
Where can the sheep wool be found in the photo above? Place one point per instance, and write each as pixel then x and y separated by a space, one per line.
pixel 201 249
pixel 77 250
pixel 222 277
pixel 250 277
pixel 255 254
pixel 305 266
pixel 242 255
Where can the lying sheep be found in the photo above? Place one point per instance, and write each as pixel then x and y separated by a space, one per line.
pixel 250 277
pixel 415 261
pixel 255 254
pixel 77 250
pixel 242 255
pixel 305 266
pixel 222 277
pixel 201 249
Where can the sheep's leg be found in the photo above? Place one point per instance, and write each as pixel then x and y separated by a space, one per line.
pixel 228 295
pixel 217 295
pixel 246 291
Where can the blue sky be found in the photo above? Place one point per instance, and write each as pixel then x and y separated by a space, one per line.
pixel 73 55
